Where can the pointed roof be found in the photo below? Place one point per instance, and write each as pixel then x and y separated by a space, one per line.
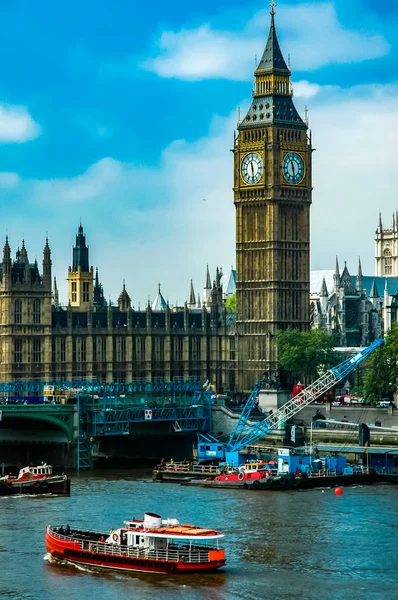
pixel 272 58
pixel 346 282
pixel 207 284
pixel 374 292
pixel 191 297
pixel 47 250
pixel 159 303
pixel 80 252
pixel 359 274
pixel 124 299
pixel 198 303
pixel 228 283
pixel 324 290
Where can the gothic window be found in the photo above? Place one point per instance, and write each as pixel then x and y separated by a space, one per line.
pixel 36 351
pixel 62 350
pixel 178 348
pixel 157 348
pixel 36 312
pixel 232 348
pixel 86 296
pixel 79 349
pixel 103 349
pixel 74 291
pixel 387 262
pixel 194 348
pixel 119 349
pixel 18 351
pixel 18 312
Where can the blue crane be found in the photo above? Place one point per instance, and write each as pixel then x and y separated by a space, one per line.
pixel 245 434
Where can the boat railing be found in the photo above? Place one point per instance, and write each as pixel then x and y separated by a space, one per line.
pixel 186 467
pixel 193 554
pixel 323 473
pixel 206 469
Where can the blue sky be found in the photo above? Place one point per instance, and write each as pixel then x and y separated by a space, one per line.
pixel 122 114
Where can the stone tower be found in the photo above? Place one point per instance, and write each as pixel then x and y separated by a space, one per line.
pixel 272 197
pixel 386 249
pixel 25 316
pixel 80 275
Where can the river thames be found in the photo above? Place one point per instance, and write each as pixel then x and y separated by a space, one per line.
pixel 302 545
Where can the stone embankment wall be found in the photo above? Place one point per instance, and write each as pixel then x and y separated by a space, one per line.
pixel 224 420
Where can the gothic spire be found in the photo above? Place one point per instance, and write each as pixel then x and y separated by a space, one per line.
pixel 24 254
pixel 124 301
pixel 272 58
pixel 336 276
pixel 272 95
pixel 191 297
pixel 207 285
pixel 374 292
pixel 80 252
pixel 359 278
pixel 324 289
pixel 55 293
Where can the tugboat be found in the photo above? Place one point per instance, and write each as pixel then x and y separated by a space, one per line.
pixel 35 480
pixel 151 545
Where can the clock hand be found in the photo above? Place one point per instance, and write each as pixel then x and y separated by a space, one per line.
pixel 292 163
pixel 252 168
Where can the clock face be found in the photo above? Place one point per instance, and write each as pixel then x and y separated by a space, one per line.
pixel 252 168
pixel 293 168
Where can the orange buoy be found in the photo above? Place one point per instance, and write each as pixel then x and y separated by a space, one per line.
pixel 338 491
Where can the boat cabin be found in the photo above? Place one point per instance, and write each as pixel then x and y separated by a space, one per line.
pixel 39 472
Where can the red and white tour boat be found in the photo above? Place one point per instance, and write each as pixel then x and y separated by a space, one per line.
pixel 34 480
pixel 151 545
pixel 250 471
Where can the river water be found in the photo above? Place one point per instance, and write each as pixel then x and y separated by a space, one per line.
pixel 302 545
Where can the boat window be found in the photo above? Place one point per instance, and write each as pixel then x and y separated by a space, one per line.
pixel 137 540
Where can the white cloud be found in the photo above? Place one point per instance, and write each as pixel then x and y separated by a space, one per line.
pixel 96 181
pixel 311 31
pixel 16 124
pixel 305 89
pixel 204 54
pixel 9 180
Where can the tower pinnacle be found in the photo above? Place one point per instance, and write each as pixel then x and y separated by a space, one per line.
pixel 272 5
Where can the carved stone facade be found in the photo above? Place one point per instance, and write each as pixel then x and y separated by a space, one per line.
pixel 386 249
pixel 352 311
pixel 39 339
pixel 272 196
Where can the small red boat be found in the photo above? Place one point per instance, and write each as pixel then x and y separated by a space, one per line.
pixel 151 545
pixel 35 480
pixel 250 471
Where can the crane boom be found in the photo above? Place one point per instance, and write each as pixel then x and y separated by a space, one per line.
pixel 239 440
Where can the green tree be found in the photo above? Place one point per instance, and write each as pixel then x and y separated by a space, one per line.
pixel 230 304
pixel 380 379
pixel 305 354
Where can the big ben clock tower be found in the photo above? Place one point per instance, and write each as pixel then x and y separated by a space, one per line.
pixel 272 197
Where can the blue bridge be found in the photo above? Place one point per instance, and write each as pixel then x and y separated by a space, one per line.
pixel 88 411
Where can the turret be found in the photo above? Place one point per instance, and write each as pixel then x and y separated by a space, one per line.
pixel 55 300
pixel 191 297
pixel 80 275
pixel 80 252
pixel 207 287
pixel 124 301
pixel 359 278
pixel 336 277
pixel 6 263
pixel 47 265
